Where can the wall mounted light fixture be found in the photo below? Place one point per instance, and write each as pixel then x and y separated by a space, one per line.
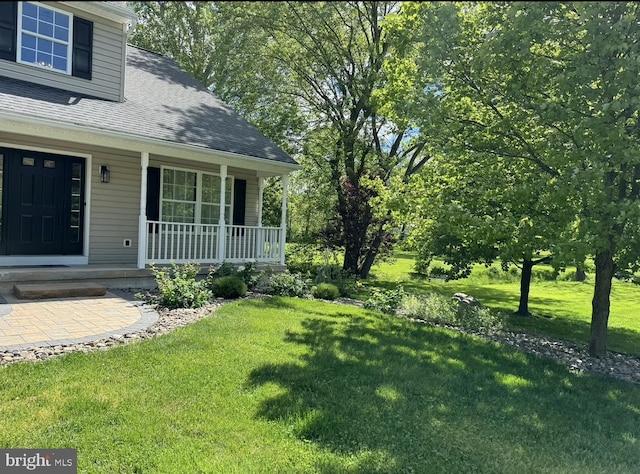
pixel 105 174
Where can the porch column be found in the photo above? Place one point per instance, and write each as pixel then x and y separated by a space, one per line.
pixel 260 199
pixel 142 218
pixel 222 231
pixel 260 239
pixel 283 222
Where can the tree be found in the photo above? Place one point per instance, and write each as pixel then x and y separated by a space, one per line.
pixel 477 209
pixel 548 84
pixel 307 75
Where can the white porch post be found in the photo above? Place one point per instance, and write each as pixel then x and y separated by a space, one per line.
pixel 142 218
pixel 283 222
pixel 260 199
pixel 260 239
pixel 222 231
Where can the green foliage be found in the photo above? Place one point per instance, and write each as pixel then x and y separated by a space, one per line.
pixel 545 274
pixel 282 284
pixel 229 287
pixel 179 287
pixel 320 264
pixel 440 309
pixel 325 291
pixel 437 271
pixel 246 272
pixel 384 301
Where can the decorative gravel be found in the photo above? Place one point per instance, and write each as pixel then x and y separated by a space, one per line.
pixel 615 365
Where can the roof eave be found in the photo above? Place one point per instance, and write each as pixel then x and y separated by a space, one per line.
pixel 46 128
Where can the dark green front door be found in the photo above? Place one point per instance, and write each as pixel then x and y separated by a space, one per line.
pixel 43 203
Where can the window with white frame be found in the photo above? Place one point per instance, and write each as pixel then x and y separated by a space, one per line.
pixel 193 197
pixel 44 36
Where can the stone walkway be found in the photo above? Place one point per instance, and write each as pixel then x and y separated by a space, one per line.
pixel 27 324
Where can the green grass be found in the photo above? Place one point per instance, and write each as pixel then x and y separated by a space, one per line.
pixel 561 309
pixel 286 385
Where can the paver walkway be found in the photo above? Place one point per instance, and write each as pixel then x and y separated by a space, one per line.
pixel 35 323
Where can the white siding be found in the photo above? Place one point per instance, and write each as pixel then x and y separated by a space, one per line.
pixel 109 48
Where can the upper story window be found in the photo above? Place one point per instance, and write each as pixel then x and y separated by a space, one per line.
pixel 47 37
pixel 44 37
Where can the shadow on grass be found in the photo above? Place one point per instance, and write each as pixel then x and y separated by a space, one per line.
pixel 392 396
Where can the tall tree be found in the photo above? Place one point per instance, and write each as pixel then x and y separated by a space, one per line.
pixel 323 60
pixel 550 84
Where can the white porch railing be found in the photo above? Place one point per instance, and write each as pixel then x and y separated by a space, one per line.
pixel 179 242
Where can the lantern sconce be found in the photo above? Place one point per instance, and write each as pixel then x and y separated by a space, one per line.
pixel 105 174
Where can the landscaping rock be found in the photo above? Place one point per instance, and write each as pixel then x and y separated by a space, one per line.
pixel 463 298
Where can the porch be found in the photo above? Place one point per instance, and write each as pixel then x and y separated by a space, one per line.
pixel 109 276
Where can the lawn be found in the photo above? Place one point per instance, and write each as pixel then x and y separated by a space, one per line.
pixel 291 385
pixel 561 309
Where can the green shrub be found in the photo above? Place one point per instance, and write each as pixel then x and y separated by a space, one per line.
pixel 569 275
pixel 282 284
pixel 326 291
pixel 430 307
pixel 301 258
pixel 384 301
pixel 179 288
pixel 246 272
pixel 478 318
pixel 421 267
pixel 545 275
pixel 230 286
pixel 437 308
pixel 438 272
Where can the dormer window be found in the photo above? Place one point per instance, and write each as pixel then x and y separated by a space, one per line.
pixel 44 35
pixel 47 37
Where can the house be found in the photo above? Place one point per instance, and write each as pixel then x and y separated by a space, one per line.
pixel 113 155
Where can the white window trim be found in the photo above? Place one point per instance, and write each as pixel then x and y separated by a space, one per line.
pixel 69 43
pixel 198 202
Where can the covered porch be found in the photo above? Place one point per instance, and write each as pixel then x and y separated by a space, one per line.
pixel 174 238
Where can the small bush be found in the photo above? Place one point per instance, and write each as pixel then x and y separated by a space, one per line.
pixel 545 275
pixel 282 284
pixel 384 301
pixel 569 275
pixel 179 288
pixel 246 272
pixel 478 318
pixel 438 272
pixel 229 286
pixel 437 308
pixel 421 267
pixel 430 307
pixel 326 291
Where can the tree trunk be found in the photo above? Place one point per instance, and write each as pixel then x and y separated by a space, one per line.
pixel 601 303
pixel 372 253
pixel 525 285
pixel 351 254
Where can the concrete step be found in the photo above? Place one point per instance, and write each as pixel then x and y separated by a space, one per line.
pixel 57 290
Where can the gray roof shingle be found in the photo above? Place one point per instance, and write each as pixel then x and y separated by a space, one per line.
pixel 162 101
